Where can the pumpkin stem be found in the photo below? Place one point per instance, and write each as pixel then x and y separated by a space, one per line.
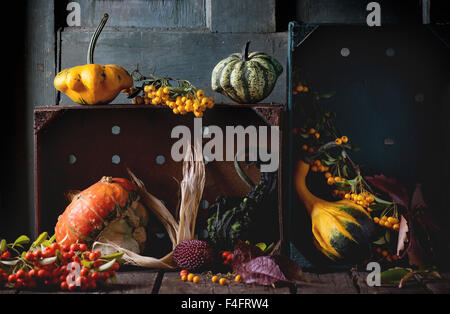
pixel 90 55
pixel 106 179
pixel 244 56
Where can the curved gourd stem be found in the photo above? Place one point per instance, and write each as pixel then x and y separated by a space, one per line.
pixel 244 56
pixel 308 199
pixel 241 173
pixel 90 55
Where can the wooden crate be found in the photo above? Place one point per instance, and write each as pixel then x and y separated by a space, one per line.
pixel 75 145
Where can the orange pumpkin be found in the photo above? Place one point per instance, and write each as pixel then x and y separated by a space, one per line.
pixel 109 207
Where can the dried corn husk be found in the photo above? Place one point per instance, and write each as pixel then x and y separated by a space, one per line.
pixel 192 187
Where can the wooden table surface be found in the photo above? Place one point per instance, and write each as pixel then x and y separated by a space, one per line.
pixel 158 282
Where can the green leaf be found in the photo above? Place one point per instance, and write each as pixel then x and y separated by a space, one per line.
pixel 262 246
pixel 112 256
pixel 383 239
pixel 381 201
pixel 23 239
pixel 48 260
pixel 269 248
pixel 345 171
pixel 394 275
pixel 328 95
pixel 40 239
pixel 304 135
pixel 52 239
pixel 2 246
pixel 87 264
pixel 329 162
pixel 106 266
pixel 10 263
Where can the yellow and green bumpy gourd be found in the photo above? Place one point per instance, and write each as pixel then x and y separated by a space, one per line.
pixel 93 84
pixel 340 229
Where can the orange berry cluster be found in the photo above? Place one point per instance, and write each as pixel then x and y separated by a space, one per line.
pixel 385 253
pixel 187 276
pixel 363 199
pixel 317 166
pixel 341 140
pixel 300 89
pixel 388 222
pixel 196 103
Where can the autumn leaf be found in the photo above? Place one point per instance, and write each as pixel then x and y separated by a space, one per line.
pixel 390 186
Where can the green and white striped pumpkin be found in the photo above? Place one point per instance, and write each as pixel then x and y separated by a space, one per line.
pixel 246 78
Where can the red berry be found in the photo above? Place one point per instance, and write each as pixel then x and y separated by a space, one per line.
pixel 66 247
pixel 116 266
pixel 83 247
pixel 29 256
pixel 92 256
pixel 37 254
pixel 225 254
pixel 76 259
pixel 64 286
pixel 6 255
pixel 54 246
pixel 42 274
pixel 48 252
pixel 84 271
pixel 12 278
pixel 20 283
pixel 95 275
pixel 98 263
pixel 74 247
pixel 21 274
pixel 32 273
pixel 229 257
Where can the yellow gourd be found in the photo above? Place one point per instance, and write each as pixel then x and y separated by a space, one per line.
pixel 341 228
pixel 93 84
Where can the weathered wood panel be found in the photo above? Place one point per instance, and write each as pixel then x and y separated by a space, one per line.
pixel 348 11
pixel 187 14
pixel 172 284
pixel 256 16
pixel 438 286
pixel 411 287
pixel 39 73
pixel 327 284
pixel 186 55
pixel 140 281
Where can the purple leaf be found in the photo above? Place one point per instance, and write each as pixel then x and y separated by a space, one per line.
pixel 390 186
pixel 263 270
pixel 417 199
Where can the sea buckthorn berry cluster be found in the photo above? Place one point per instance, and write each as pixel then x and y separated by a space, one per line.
pixel 181 99
pixel 388 222
pixel 341 140
pixel 300 88
pixel 363 199
pixel 318 166
pixel 387 255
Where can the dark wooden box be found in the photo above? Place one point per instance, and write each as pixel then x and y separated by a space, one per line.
pixel 75 146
